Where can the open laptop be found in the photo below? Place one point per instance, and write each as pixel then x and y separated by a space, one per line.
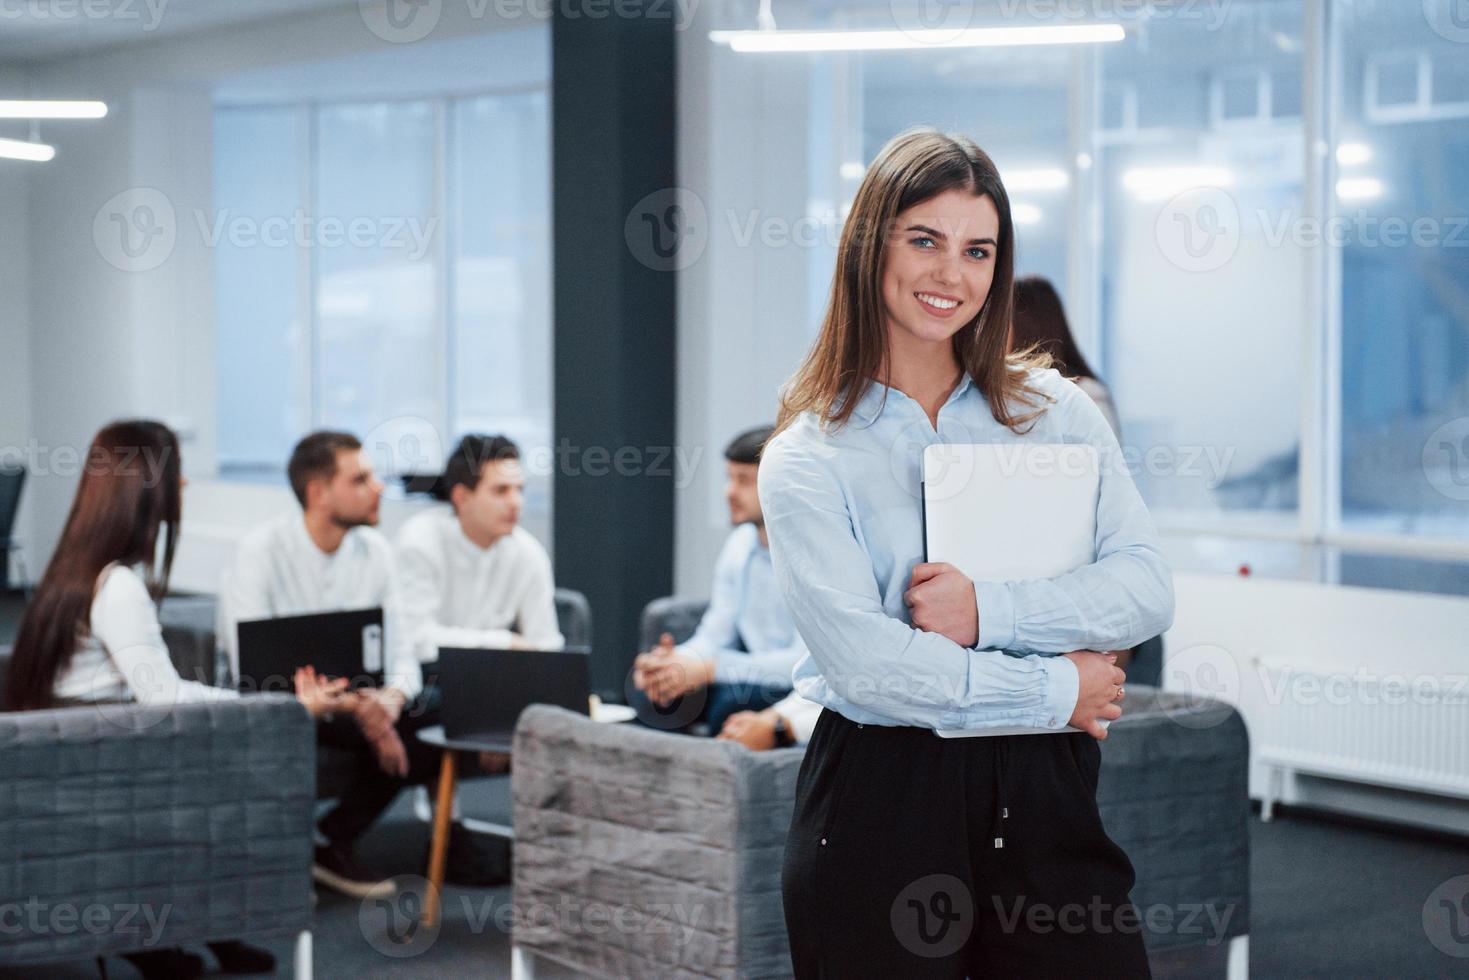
pixel 485 690
pixel 338 644
pixel 1010 512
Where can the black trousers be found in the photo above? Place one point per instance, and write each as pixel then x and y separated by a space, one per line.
pixel 917 856
pixel 370 791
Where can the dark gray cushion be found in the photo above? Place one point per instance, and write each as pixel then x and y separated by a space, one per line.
pixel 196 815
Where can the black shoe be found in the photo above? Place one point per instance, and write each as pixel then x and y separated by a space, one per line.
pixel 236 957
pixel 166 964
pixel 476 860
pixel 336 868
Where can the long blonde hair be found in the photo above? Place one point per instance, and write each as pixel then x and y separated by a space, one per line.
pixel 852 347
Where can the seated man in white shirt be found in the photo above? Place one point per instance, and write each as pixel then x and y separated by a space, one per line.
pixel 327 558
pixel 742 654
pixel 471 575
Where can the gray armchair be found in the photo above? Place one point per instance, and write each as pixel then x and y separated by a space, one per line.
pixel 134 828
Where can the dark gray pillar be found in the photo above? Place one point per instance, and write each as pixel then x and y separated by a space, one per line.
pixel 612 107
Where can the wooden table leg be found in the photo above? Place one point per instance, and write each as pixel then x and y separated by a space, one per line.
pixel 439 851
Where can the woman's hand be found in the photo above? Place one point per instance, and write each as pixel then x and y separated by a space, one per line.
pixel 1099 691
pixel 319 695
pixel 941 600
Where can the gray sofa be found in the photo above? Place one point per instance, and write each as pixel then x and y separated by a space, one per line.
pixel 125 828
pixel 677 842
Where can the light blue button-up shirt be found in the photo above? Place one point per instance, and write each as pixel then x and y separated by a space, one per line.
pixel 747 630
pixel 844 518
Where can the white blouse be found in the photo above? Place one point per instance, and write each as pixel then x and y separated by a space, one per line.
pixel 121 655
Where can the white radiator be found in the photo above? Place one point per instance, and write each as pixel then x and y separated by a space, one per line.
pixel 1409 731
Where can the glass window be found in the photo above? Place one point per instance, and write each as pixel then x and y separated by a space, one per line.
pixel 1403 208
pixel 262 334
pixel 378 355
pixel 1203 303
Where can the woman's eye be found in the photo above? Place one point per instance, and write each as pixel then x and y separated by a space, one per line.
pixel 923 241
pixel 978 252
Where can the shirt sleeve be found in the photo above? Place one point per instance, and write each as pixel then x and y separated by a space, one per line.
pixel 1122 599
pixel 539 625
pixel 873 660
pixel 125 621
pixel 244 596
pixel 765 668
pixel 404 672
pixel 716 638
pixel 800 714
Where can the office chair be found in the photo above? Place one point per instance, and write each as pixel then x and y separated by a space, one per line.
pixel 12 478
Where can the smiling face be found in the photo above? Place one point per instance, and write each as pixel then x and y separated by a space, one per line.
pixel 938 266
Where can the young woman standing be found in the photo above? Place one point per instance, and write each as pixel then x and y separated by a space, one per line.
pixel 910 854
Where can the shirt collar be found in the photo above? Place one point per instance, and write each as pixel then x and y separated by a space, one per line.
pixel 872 402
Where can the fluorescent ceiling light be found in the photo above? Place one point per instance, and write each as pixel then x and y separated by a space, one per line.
pixel 1359 189
pixel 21 150
pixel 50 109
pixel 1156 183
pixel 1035 179
pixel 1025 214
pixel 974 37
pixel 1353 153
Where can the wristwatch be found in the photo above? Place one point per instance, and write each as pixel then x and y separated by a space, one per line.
pixel 783 737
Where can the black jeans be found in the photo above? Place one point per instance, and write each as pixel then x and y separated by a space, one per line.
pixel 917 856
pixel 370 791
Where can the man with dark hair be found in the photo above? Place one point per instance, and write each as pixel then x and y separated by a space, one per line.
pixel 327 558
pixel 741 656
pixel 472 576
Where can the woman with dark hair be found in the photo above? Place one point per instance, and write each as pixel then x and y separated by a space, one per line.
pixel 910 854
pixel 1040 327
pixel 91 633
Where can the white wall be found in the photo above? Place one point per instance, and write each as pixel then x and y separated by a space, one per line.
pixel 106 343
pixel 743 322
pixel 15 387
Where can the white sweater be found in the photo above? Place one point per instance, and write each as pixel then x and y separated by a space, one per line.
pixel 279 571
pixel 121 655
pixel 457 594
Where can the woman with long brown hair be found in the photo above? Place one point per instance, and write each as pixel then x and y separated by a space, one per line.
pixel 1040 327
pixel 910 854
pixel 91 633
